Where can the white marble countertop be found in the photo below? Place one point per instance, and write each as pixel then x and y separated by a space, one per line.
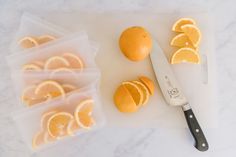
pixel 130 142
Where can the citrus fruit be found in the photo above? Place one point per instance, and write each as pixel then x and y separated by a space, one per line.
pixel 193 33
pixel 135 92
pixel 45 116
pixel 28 42
pixel 135 43
pixel 45 38
pixel 65 71
pixel 185 55
pixel 47 138
pixel 124 101
pixel 57 124
pixel 38 139
pixel 75 61
pixel 181 40
pixel 144 91
pixel 72 127
pixel 56 62
pixel 148 83
pixel 30 98
pixel 68 87
pixel 31 67
pixel 49 88
pixel 39 64
pixel 83 113
pixel 181 22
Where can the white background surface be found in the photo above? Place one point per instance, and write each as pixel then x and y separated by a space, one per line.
pixel 131 142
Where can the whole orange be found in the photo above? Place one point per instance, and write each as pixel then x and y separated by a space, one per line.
pixel 135 43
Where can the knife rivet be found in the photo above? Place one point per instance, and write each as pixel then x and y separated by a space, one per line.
pixel 197 130
pixel 203 144
pixel 190 116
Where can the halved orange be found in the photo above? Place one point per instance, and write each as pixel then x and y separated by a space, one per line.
pixel 31 67
pixel 148 83
pixel 57 124
pixel 49 88
pixel 72 127
pixel 124 101
pixel 144 91
pixel 30 98
pixel 181 22
pixel 193 33
pixel 185 55
pixel 56 62
pixel 74 60
pixel 182 40
pixel 28 42
pixel 83 113
pixel 45 38
pixel 135 92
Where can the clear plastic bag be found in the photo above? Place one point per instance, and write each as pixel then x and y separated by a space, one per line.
pixel 26 84
pixel 33 26
pixel 29 122
pixel 76 44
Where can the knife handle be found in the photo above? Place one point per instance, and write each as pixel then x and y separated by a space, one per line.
pixel 200 140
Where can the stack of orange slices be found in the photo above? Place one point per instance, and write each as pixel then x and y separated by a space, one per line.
pixel 187 41
pixel 56 124
pixel 32 41
pixel 48 89
pixel 131 95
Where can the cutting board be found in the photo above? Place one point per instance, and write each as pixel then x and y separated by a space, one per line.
pixel 198 81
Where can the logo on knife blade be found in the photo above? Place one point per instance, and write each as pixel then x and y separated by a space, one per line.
pixel 172 91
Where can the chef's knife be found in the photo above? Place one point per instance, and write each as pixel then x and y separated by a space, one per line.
pixel 173 94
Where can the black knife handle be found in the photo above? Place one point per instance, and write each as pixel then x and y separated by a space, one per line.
pixel 200 140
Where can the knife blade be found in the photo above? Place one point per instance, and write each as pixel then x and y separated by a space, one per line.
pixel 173 94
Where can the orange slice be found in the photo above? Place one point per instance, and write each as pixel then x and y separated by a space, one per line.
pixel 28 42
pixel 56 62
pixel 183 21
pixel 83 113
pixel 64 71
pixel 68 87
pixel 135 92
pixel 181 40
pixel 47 138
pixel 144 91
pixel 124 101
pixel 45 38
pixel 31 67
pixel 72 127
pixel 30 98
pixel 185 55
pixel 193 33
pixel 48 89
pixel 39 64
pixel 57 124
pixel 148 83
pixel 38 139
pixel 45 116
pixel 75 61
